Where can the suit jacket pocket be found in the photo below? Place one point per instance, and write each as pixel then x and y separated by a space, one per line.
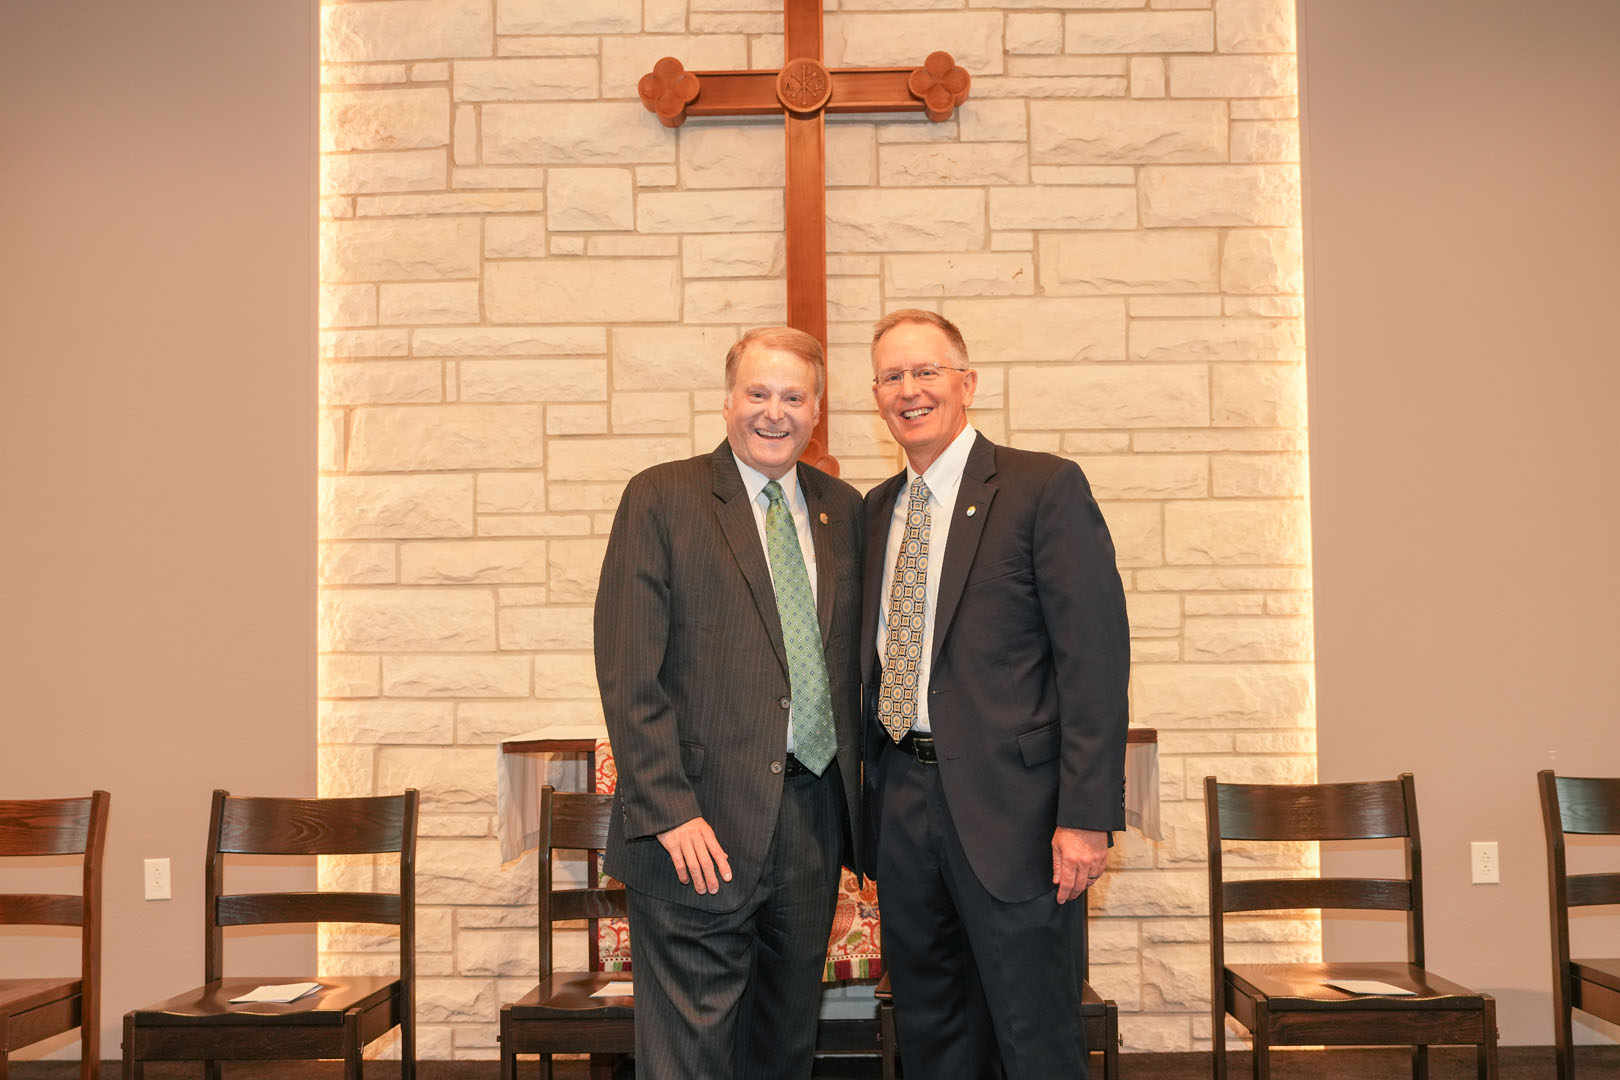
pixel 1040 745
pixel 1001 568
pixel 692 759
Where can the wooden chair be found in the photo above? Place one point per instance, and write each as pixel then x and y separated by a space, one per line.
pixel 35 1009
pixel 559 1016
pixel 1586 805
pixel 348 1011
pixel 1288 1004
pixel 1098 1015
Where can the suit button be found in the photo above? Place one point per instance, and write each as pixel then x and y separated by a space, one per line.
pixel 776 766
pixel 786 703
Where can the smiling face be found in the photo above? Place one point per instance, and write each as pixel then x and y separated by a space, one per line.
pixel 771 409
pixel 923 420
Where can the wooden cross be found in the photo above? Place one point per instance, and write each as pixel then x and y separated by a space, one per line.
pixel 804 91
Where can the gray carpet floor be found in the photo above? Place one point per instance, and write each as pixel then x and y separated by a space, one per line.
pixel 1517 1063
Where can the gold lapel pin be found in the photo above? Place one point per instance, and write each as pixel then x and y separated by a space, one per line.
pixel 824 518
pixel 974 509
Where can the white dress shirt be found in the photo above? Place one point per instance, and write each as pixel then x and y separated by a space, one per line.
pixel 754 483
pixel 944 479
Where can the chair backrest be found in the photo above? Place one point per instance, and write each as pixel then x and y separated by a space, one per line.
pixel 33 827
pixel 272 826
pixel 1371 810
pixel 572 821
pixel 1580 805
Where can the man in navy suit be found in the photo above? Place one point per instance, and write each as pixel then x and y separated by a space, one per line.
pixel 995 653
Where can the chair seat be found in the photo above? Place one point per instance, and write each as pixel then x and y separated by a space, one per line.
pixel 20 995
pixel 568 994
pixel 210 1004
pixel 1605 972
pixel 1301 987
pixel 1091 1002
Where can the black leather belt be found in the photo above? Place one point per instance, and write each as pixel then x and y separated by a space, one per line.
pixel 920 747
pixel 794 767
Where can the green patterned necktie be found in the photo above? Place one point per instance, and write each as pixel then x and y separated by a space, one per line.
pixel 905 622
pixel 814 741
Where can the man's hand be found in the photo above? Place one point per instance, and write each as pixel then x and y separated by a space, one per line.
pixel 695 853
pixel 1078 857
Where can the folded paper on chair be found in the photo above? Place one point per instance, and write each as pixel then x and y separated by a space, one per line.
pixel 281 993
pixel 616 988
pixel 1370 986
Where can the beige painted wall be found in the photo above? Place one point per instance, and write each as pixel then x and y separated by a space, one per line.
pixel 157 446
pixel 1463 254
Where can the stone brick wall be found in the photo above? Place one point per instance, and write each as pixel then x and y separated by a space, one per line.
pixel 527 289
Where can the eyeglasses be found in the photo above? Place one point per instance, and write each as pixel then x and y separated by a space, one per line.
pixel 924 376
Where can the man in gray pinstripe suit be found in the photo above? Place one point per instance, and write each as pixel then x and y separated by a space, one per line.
pixel 726 634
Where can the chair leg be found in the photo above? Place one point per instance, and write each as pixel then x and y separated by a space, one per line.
pixel 1262 1042
pixel 132 1068
pixel 353 1049
pixel 1487 1051
pixel 888 1034
pixel 1218 1044
pixel 210 1070
pixel 5 1069
pixel 1111 1051
pixel 1420 1063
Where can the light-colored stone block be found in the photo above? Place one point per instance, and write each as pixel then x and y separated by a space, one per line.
pixel 1127 132
pixel 1083 174
pixel 633 245
pixel 1146 476
pixel 575 566
pixel 551 17
pixel 1279 341
pixel 754 303
pixel 1034 34
pixel 355 564
pixel 1220 195
pixel 992 121
pixel 511 493
pixel 851 155
pixel 547 629
pixel 399 250
pixel 1265 140
pixel 1137 530
pixel 1258 475
pixel 914 219
pixel 386 722
pixel 497 952
pixel 515 236
pixel 1033 86
pixel 594 200
pixel 576 420
pixel 565 676
pixel 339 675
pixel 456 202
pixel 365 173
pixel 610 460
pixel 464 135
pixel 1233 76
pixel 1258 395
pixel 1222 695
pixel 1032 207
pixel 395 506
pixel 652 412
pixel 1015 330
pixel 1286 638
pixel 351 344
pixel 376 382
pixel 1262 26
pixel 902 38
pixel 348 305
pixel 1109 396
pixel 1252 531
pixel 473 562
pixel 406 30
pixel 384 119
pixel 510 341
pixel 743 153
pixel 406 620
pixel 671 358
pixel 1139 32
pixel 416 303
pixel 959 274
pixel 582 290
pixel 574 133
pixel 1142 261
pixel 626 59
pixel 562 378
pixel 563 77
pixel 1263 261
pixel 405 438
pixel 953 163
pixel 746 210
pixel 732 255
pixel 1148 78
pixel 456 677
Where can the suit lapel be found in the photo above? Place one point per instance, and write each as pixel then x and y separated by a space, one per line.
pixel 963 538
pixel 736 517
pixel 879 511
pixel 821 537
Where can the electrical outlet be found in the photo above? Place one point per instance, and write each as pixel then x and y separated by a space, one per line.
pixel 1487 863
pixel 157 879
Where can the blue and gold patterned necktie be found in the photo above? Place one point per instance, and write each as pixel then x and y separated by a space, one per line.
pixel 814 741
pixel 903 649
